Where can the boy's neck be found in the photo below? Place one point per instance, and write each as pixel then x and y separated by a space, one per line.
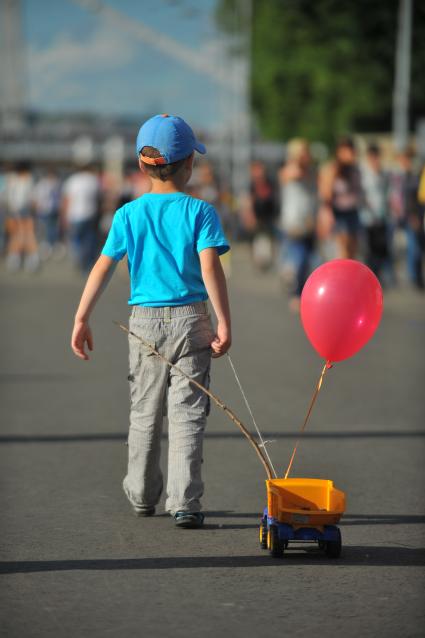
pixel 169 186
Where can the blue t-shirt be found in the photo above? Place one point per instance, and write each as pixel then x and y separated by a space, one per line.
pixel 162 234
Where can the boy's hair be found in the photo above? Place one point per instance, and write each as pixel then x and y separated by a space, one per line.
pixel 373 149
pixel 159 171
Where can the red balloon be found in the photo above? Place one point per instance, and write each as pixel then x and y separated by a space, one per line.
pixel 341 307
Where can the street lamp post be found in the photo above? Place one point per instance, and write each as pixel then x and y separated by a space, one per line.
pixel 402 76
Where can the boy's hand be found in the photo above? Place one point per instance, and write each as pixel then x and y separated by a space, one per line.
pixel 80 336
pixel 98 279
pixel 222 341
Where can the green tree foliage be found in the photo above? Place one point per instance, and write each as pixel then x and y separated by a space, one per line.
pixel 321 68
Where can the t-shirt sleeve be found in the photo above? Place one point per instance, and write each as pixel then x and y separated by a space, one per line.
pixel 116 243
pixel 209 232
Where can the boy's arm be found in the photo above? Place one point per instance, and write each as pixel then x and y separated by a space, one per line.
pixel 215 283
pixel 96 283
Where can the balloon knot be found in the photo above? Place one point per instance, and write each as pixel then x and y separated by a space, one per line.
pixel 328 365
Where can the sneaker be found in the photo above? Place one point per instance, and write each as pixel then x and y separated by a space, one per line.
pixel 13 262
pixel 143 513
pixel 189 519
pixel 32 262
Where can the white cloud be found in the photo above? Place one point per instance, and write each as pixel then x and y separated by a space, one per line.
pixel 109 71
pixel 59 69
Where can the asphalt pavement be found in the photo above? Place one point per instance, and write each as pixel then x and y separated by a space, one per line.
pixel 74 560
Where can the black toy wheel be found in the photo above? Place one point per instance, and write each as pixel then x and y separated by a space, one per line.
pixel 263 533
pixel 333 548
pixel 275 546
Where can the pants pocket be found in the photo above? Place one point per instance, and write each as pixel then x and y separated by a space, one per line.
pixel 137 350
pixel 200 334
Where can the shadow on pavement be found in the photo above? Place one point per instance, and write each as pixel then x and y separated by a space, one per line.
pixel 382 519
pixel 231 514
pixel 354 555
pixel 35 377
pixel 348 519
pixel 122 436
pixel 230 526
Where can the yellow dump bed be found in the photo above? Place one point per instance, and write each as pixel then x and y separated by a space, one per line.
pixel 304 501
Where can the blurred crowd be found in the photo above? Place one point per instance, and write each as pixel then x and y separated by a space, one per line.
pixel 47 215
pixel 346 208
pixel 294 216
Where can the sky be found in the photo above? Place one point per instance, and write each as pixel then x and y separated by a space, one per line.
pixel 81 61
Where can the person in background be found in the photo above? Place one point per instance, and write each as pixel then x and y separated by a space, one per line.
pixel 421 196
pixel 127 191
pixel 374 213
pixel 206 187
pixel 3 173
pixel 46 198
pixel 421 190
pixel 263 207
pixel 298 182
pixel 407 214
pixel 341 193
pixel 80 207
pixel 22 243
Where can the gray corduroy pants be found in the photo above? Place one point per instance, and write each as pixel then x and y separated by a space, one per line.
pixel 183 335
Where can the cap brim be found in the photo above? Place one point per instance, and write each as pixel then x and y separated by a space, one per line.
pixel 200 148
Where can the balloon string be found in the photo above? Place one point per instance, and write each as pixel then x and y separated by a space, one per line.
pixel 312 402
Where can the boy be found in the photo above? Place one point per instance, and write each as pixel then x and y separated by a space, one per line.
pixel 172 242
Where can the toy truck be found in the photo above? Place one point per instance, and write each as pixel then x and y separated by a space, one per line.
pixel 302 510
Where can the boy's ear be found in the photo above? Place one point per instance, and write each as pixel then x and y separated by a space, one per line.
pixel 189 160
pixel 141 165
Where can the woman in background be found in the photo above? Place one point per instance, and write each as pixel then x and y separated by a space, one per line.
pixel 22 243
pixel 342 195
pixel 374 212
pixel 298 182
pixel 263 214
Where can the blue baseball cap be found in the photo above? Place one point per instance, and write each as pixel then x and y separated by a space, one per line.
pixel 173 138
